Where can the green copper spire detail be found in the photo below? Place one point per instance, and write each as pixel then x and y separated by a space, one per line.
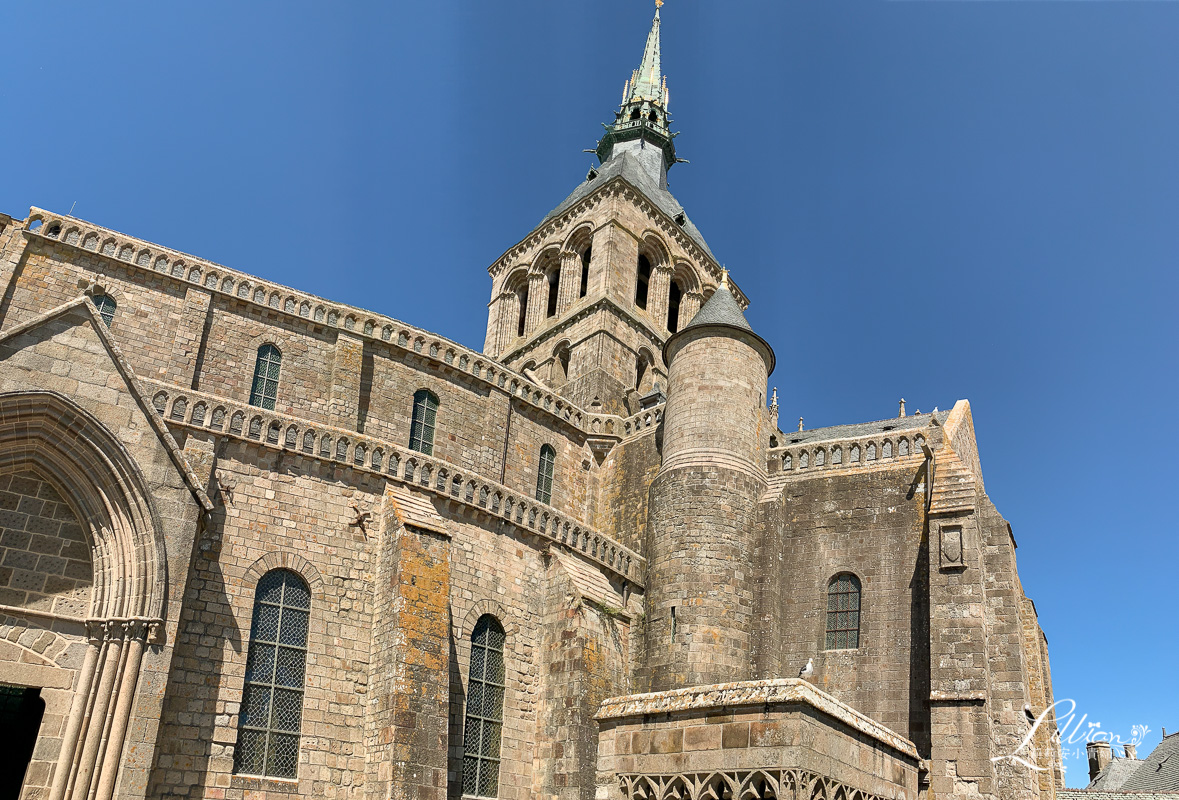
pixel 641 125
pixel 647 82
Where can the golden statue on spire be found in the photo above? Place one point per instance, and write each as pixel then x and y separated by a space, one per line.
pixel 658 4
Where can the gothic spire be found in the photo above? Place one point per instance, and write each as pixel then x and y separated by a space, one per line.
pixel 641 125
pixel 647 82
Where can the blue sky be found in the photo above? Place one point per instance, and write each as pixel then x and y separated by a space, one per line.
pixel 933 200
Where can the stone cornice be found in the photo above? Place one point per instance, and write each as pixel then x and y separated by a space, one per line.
pixel 301 306
pixel 752 693
pixel 615 186
pixel 465 489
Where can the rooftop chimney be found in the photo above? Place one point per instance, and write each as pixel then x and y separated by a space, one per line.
pixel 1100 754
pixel 1131 751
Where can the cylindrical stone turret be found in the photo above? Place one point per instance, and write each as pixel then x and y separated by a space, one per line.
pixel 704 499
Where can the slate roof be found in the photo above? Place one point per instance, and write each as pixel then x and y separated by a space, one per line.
pixel 912 423
pixel 1158 772
pixel 721 309
pixel 628 167
pixel 1116 774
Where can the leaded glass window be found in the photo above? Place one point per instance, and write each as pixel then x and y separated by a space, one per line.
pixel 843 612
pixel 485 709
pixel 264 393
pixel 106 307
pixel 544 475
pixel 272 701
pixel 425 416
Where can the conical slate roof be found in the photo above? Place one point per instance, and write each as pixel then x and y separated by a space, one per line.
pixel 721 309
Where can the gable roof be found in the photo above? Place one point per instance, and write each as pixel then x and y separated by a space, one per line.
pixel 1158 772
pixel 84 307
pixel 886 427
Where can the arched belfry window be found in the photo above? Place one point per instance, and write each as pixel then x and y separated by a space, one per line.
pixel 485 709
pixel 554 281
pixel 522 303
pixel 264 392
pixel 643 283
pixel 843 612
pixel 272 700
pixel 544 474
pixel 585 261
pixel 425 417
pixel 106 307
pixel 675 297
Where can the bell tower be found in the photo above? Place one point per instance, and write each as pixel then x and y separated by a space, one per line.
pixel 586 301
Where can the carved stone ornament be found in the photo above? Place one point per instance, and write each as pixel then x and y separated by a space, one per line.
pixel 952 555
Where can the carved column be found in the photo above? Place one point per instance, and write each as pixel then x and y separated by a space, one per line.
pixel 689 305
pixel 570 281
pixel 657 294
pixel 508 323
pixel 92 748
pixel 537 302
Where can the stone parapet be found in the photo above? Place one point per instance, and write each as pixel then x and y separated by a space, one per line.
pixel 215 279
pixel 209 413
pixel 775 738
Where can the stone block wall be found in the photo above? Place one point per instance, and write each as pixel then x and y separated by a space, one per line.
pixel 44 557
pixel 868 522
pixel 753 739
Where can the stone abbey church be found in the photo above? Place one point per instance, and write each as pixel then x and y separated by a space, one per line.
pixel 257 544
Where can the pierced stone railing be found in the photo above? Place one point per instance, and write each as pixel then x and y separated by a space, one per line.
pixel 396 462
pixel 245 288
pixel 643 421
pixel 846 453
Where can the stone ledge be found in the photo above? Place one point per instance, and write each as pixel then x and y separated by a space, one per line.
pixel 752 693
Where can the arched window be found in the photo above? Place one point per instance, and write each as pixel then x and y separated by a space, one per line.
pixel 106 307
pixel 554 279
pixel 544 474
pixel 585 259
pixel 522 302
pixel 673 307
pixel 843 612
pixel 485 709
pixel 265 390
pixel 643 282
pixel 425 416
pixel 272 700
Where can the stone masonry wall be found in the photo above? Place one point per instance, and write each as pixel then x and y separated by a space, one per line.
pixel 868 522
pixel 44 556
pixel 174 331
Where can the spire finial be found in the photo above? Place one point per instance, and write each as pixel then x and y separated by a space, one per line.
pixel 658 5
pixel 724 277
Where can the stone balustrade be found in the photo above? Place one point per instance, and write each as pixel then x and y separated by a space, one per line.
pixel 396 462
pixel 217 279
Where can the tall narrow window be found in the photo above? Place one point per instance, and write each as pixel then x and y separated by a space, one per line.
pixel 673 307
pixel 843 612
pixel 544 475
pixel 272 701
pixel 485 709
pixel 265 390
pixel 643 282
pixel 106 307
pixel 425 416
pixel 522 302
pixel 585 259
pixel 554 279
